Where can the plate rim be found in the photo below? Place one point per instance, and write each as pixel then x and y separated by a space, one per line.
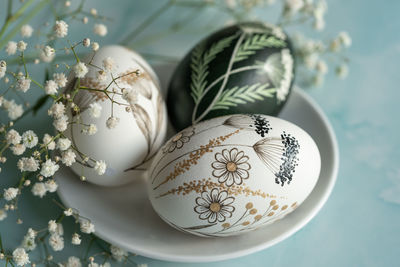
pixel 243 252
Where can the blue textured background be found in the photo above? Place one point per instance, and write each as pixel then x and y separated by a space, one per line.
pixel 360 223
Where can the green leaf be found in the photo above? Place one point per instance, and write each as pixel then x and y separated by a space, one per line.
pixel 242 95
pixel 256 42
pixel 199 65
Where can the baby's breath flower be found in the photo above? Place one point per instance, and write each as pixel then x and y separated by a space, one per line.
pixel 3 68
pixel 29 139
pixel 39 189
pixel 100 167
pixel 50 87
pixel 112 122
pixel 49 167
pixel 86 226
pixel 57 110
pixel 51 186
pixel 342 71
pixel 68 157
pixel 18 149
pixel 10 193
pixel 85 20
pixel 345 39
pixel 13 137
pixel 63 144
pixel 60 79
pixel 11 48
pixel 95 46
pixel 49 142
pixel 118 253
pixel 56 242
pixel 130 95
pixel 67 3
pixel 100 29
pixel 31 233
pixel 93 11
pixel 28 243
pixel 61 28
pixel 61 123
pixel 108 63
pixel 28 164
pixel 52 226
pixel 86 42
pixel 21 46
pixel 23 84
pixel 80 70
pixel 20 257
pixel 14 110
pixel 322 67
pixel 76 239
pixel 26 31
pixel 73 262
pixel 3 214
pixel 49 51
pixel 44 57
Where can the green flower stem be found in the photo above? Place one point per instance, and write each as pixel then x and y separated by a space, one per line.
pixel 147 22
pixel 216 81
pixel 24 21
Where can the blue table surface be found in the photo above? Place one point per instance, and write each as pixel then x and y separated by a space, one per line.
pixel 360 223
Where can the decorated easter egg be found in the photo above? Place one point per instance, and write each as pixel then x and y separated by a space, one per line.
pixel 232 174
pixel 131 126
pixel 244 68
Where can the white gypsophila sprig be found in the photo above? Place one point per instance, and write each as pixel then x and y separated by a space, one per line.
pixel 76 239
pixel 26 31
pixel 100 167
pixel 100 29
pixel 28 164
pixel 86 226
pixel 3 214
pixel 21 46
pixel 48 142
pixel 18 149
pixel 56 242
pixel 20 257
pixel 60 79
pixel 61 123
pixel 39 189
pixel 3 68
pixel 80 70
pixel 13 109
pixel 112 122
pixel 63 144
pixel 11 48
pixel 60 29
pixel 51 185
pixel 10 193
pixel 13 137
pixel 73 262
pixel 57 110
pixel 48 168
pixel 130 95
pixel 51 87
pixel 68 157
pixel 29 139
pixel 23 84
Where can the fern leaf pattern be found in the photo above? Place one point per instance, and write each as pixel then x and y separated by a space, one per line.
pixel 199 65
pixel 257 42
pixel 242 95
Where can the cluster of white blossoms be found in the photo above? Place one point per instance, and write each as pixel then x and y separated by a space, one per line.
pixel 39 158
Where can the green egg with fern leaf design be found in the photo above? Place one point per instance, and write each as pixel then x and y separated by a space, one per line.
pixel 244 68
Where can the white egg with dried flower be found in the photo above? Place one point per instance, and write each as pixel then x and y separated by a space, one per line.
pixel 232 174
pixel 119 119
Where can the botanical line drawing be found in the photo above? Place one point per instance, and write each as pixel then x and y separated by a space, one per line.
pixel 214 206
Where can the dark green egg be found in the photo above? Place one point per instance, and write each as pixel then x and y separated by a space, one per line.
pixel 244 68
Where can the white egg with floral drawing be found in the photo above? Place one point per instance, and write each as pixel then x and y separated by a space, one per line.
pixel 119 116
pixel 233 174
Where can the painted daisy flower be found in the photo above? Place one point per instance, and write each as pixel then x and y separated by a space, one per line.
pixel 214 206
pixel 231 167
pixel 179 140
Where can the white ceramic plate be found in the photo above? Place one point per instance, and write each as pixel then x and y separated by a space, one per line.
pixel 124 216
